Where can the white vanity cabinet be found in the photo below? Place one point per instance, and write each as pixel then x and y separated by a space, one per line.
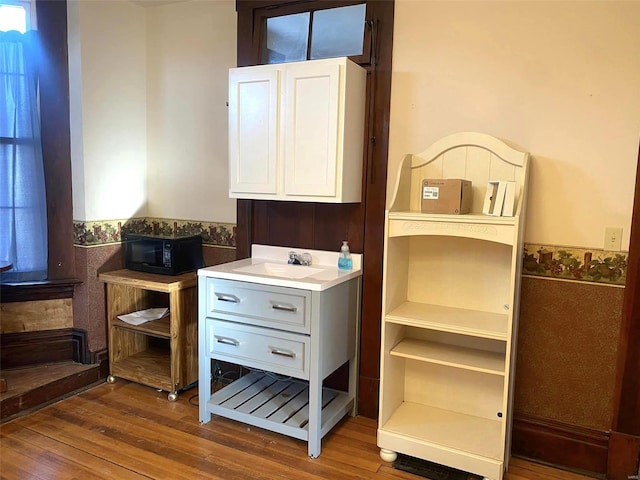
pixel 451 287
pixel 296 131
pixel 290 334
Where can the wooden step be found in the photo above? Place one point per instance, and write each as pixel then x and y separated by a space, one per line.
pixel 32 387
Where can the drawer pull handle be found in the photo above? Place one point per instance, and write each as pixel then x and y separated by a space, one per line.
pixel 223 297
pixel 227 340
pixel 286 308
pixel 282 353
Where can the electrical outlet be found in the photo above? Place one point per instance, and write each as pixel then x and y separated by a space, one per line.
pixel 612 239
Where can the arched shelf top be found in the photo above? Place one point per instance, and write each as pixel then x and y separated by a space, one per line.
pixel 476 157
pixel 493 145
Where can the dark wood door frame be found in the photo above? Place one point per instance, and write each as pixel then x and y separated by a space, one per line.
pixel 323 226
pixel 624 443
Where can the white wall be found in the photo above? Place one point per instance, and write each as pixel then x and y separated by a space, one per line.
pixel 149 86
pixel 190 48
pixel 108 109
pixel 559 79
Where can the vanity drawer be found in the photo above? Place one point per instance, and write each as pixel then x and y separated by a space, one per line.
pixel 264 305
pixel 258 347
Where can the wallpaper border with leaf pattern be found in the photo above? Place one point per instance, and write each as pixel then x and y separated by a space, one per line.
pixel 566 263
pixel 87 234
pixel 579 264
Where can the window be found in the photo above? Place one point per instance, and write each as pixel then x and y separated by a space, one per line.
pixel 17 15
pixel 315 34
pixel 338 32
pixel 23 206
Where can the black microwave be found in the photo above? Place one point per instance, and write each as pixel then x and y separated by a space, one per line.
pixel 163 254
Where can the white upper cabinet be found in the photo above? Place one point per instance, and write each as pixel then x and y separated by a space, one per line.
pixel 253 131
pixel 296 131
pixel 311 130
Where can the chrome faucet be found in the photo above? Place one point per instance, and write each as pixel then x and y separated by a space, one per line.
pixel 299 258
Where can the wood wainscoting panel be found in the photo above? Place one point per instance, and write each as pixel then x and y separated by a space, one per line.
pixel 47 346
pixel 35 316
pixel 214 255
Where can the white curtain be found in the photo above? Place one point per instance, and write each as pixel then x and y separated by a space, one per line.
pixel 23 215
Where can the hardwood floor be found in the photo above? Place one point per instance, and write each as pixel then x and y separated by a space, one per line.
pixel 127 431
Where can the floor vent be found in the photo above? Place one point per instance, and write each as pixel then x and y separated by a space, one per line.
pixel 430 470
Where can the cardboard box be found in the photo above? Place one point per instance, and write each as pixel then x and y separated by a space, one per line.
pixel 451 196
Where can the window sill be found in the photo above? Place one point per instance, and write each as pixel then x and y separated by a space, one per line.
pixel 32 291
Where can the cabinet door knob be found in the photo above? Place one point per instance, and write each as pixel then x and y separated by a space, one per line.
pixel 286 308
pixel 282 353
pixel 227 340
pixel 225 297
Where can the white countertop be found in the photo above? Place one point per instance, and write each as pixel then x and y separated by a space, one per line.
pixel 268 266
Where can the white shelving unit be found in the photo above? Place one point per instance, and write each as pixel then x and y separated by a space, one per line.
pixel 450 308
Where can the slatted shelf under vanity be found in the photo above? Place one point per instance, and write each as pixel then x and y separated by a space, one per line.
pixel 262 400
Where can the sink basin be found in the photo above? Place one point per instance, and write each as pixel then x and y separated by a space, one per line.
pixel 282 270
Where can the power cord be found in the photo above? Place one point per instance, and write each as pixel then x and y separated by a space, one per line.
pixel 219 380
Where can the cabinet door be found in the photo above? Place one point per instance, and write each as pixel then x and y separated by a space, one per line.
pixel 253 132
pixel 311 123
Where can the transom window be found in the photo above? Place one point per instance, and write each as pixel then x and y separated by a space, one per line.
pixel 310 35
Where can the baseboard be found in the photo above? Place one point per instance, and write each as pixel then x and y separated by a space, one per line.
pixel 624 456
pixel 368 396
pixel 44 346
pixel 560 444
pixel 101 358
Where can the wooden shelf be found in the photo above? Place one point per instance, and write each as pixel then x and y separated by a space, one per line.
pixel 480 227
pixel 448 319
pixel 150 367
pixel 447 429
pixel 160 328
pixel 472 218
pixel 451 355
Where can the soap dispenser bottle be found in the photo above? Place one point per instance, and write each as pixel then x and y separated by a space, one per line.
pixel 344 259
